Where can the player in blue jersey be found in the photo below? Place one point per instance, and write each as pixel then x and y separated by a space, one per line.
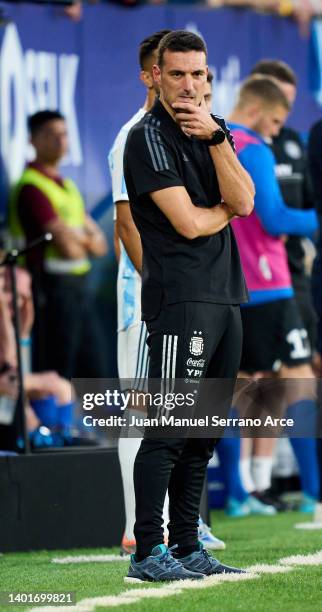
pixel 282 344
pixel 291 171
pixel 228 448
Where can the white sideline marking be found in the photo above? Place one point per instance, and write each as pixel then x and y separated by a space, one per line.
pixel 312 559
pixel 211 581
pixel 136 595
pixel 287 564
pixel 263 568
pixel 90 559
pixel 308 526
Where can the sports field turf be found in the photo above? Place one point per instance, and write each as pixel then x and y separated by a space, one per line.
pixel 251 540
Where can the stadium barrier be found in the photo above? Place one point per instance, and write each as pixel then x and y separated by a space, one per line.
pixel 61 500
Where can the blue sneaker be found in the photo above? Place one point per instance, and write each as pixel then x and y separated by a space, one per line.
pixel 207 538
pixel 201 561
pixel 43 437
pixel 236 509
pixel 256 506
pixel 251 505
pixel 160 566
pixel 307 504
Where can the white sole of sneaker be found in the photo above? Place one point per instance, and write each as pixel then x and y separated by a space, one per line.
pixel 215 546
pixel 130 580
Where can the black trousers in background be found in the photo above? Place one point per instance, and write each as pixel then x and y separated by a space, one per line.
pixel 303 297
pixel 65 328
pixel 201 332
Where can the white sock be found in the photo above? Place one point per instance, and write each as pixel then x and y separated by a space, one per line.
pixel 318 513
pixel 262 472
pixel 166 517
pixel 127 449
pixel 246 475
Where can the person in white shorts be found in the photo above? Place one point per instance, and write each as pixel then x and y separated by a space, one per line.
pixel 132 351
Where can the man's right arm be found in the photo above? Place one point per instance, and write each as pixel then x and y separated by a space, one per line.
pixel 129 234
pixel 188 220
pixel 125 226
pixel 150 162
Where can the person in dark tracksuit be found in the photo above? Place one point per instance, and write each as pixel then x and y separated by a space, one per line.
pixel 185 184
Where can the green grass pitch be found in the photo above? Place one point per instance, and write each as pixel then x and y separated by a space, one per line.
pixel 249 541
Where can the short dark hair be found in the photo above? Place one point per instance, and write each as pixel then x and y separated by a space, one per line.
pixel 275 68
pixel 180 41
pixel 210 77
pixel 264 88
pixel 38 120
pixel 149 45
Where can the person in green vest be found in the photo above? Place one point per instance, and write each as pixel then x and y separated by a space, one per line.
pixel 43 201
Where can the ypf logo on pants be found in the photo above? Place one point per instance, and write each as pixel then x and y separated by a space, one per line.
pixel 195 368
pixel 196 344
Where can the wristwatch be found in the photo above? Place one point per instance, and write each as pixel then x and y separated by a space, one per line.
pixel 218 136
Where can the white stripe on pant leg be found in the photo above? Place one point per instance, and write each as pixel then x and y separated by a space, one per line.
pixel 144 366
pixel 141 349
pixel 167 373
pixel 141 362
pixel 168 364
pixel 163 356
pixel 139 356
pixel 143 344
pixel 174 363
pixel 169 360
pixel 162 371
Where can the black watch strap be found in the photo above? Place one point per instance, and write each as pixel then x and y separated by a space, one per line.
pixel 218 137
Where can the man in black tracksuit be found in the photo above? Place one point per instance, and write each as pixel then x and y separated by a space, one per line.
pixel 185 184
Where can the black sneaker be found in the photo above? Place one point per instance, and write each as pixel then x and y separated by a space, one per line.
pixel 202 561
pixel 160 566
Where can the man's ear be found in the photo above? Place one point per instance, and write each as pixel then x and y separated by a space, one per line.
pixel 146 78
pixel 156 74
pixel 256 111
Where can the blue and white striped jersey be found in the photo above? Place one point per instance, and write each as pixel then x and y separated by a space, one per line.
pixel 128 280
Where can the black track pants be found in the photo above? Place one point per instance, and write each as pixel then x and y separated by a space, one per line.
pixel 187 341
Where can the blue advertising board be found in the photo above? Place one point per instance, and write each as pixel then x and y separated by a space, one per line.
pixel 89 70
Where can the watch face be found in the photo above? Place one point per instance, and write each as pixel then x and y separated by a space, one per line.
pixel 218 136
